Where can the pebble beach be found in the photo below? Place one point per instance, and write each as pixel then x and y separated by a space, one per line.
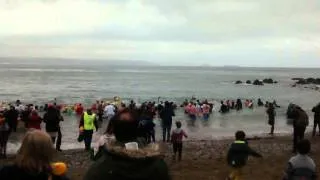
pixel 206 159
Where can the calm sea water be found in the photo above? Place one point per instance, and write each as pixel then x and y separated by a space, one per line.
pixel 77 81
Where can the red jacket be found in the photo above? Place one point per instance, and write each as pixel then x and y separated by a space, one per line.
pixel 34 122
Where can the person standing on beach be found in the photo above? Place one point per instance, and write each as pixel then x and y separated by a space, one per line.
pixel 4 135
pixel 52 120
pixel 238 155
pixel 176 139
pixel 166 115
pixel 301 166
pixel 89 123
pixel 109 111
pixel 316 122
pixel 128 157
pixel 12 118
pixel 300 123
pixel 271 116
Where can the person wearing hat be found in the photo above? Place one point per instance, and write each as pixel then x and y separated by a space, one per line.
pixel 88 123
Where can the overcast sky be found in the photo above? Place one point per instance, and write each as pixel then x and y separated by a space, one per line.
pixel 167 32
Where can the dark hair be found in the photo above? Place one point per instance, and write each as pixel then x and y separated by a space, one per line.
pixel 124 131
pixel 304 147
pixel 178 124
pixel 240 135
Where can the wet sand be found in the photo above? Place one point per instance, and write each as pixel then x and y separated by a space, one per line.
pixel 206 160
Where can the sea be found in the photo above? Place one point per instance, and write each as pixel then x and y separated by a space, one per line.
pixel 72 81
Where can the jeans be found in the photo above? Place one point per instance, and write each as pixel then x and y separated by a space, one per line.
pixel 177 148
pixel 298 135
pixel 166 130
pixel 315 125
pixel 87 138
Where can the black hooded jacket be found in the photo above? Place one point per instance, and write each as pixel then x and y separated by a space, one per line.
pixel 239 152
pixel 120 164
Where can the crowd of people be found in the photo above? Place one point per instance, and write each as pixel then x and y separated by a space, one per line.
pixel 132 128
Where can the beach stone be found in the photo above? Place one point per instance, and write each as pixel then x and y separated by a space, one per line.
pixel 248 82
pixel 238 82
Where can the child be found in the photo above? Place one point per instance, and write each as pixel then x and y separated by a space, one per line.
pixel 238 155
pixel 176 139
pixel 301 166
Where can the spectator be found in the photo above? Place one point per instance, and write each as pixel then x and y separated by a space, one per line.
pixel 271 117
pixel 166 115
pixel 4 136
pixel 238 155
pixel 89 123
pixel 52 119
pixel 301 166
pixel 128 157
pixel 33 160
pixel 316 123
pixel 34 121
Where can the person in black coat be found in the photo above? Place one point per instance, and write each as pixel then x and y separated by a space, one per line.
pixel 316 122
pixel 166 116
pixel 52 119
pixel 128 157
pixel 238 155
pixel 12 118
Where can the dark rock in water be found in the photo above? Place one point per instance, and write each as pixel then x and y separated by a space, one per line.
pixel 302 81
pixel 248 82
pixel 297 79
pixel 307 81
pixel 257 82
pixel 268 81
pixel 276 82
pixel 238 82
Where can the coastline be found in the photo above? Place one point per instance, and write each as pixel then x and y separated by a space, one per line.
pixel 206 159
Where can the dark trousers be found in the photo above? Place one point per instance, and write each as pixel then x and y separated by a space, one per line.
pixel 4 136
pixel 151 137
pixel 177 148
pixel 298 135
pixel 315 125
pixel 87 138
pixel 59 139
pixel 166 130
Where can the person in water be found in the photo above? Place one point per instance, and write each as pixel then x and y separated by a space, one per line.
pixel 205 111
pixel 260 103
pixel 239 105
pixel 176 139
pixel 238 155
pixel 223 108
pixel 316 122
pixel 34 159
pixel 301 166
pixel 271 117
pixel 128 157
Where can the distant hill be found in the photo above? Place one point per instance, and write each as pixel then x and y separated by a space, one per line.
pixel 67 61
